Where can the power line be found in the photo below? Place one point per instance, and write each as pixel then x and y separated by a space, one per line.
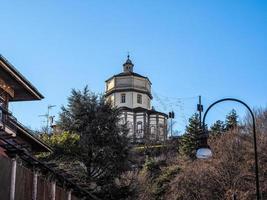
pixel 177 104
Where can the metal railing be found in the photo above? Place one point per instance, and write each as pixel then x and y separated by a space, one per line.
pixel 7 120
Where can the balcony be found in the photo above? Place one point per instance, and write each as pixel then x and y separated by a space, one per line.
pixel 7 122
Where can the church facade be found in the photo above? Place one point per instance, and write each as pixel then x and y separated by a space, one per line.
pixel 131 92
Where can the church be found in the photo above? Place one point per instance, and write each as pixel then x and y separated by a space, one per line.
pixel 131 92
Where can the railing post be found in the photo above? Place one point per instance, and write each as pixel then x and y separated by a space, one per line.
pixel 69 194
pixel 35 184
pixel 53 190
pixel 13 177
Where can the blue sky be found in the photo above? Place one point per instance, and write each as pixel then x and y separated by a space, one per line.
pixel 187 48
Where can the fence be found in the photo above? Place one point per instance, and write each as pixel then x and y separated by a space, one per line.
pixel 24 184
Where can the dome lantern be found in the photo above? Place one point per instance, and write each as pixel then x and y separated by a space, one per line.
pixel 128 65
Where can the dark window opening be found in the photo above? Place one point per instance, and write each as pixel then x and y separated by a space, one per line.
pixel 139 98
pixel 123 98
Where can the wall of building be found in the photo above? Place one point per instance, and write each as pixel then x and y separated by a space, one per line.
pixel 141 126
pixel 141 83
pixel 131 100
pixel 110 84
pixel 129 82
pixel 158 127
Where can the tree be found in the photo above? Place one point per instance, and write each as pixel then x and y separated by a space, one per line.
pixel 63 144
pixel 189 139
pixel 230 171
pixel 217 128
pixel 103 143
pixel 65 154
pixel 231 120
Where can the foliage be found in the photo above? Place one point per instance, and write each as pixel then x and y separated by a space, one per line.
pixel 231 121
pixel 229 172
pixel 189 139
pixel 231 169
pixel 65 152
pixel 217 128
pixel 103 145
pixel 218 177
pixel 161 184
pixel 62 143
pixel 152 167
pixel 154 179
pixel 92 129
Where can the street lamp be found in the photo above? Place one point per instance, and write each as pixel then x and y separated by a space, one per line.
pixel 204 150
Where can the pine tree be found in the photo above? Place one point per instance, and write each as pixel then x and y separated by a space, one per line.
pixel 231 120
pixel 190 138
pixel 217 128
pixel 103 144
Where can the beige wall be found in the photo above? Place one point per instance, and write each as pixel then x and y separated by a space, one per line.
pixel 131 100
pixel 130 82
pixel 110 84
pixel 137 83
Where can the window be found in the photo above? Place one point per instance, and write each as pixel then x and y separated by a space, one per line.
pixel 123 98
pixel 161 129
pixel 139 98
pixel 139 133
pixel 152 133
pixel 139 127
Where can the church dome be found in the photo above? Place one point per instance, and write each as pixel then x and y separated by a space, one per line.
pixel 128 81
pixel 128 71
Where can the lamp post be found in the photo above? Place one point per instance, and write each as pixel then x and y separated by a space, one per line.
pixel 205 152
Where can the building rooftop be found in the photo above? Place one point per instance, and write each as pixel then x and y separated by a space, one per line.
pixel 23 89
pixel 128 71
pixel 140 109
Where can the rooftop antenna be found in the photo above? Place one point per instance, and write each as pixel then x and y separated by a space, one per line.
pixel 48 117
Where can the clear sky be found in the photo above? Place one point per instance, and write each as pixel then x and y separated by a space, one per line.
pixel 187 48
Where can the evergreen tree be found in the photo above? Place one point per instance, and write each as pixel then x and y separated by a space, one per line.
pixel 103 144
pixel 231 120
pixel 217 128
pixel 190 139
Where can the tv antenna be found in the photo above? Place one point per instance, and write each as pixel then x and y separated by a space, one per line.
pixel 49 119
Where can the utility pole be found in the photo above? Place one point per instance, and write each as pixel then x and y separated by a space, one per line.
pixel 171 126
pixel 200 110
pixel 171 116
